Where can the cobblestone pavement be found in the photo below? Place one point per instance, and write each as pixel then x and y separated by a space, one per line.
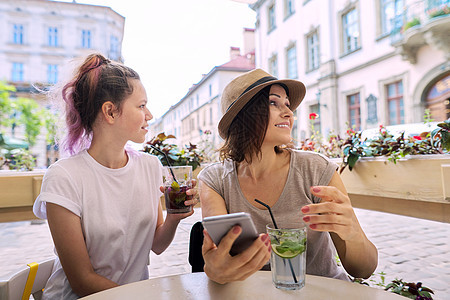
pixel 409 248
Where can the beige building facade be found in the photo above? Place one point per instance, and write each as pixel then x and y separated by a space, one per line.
pixel 364 63
pixel 39 37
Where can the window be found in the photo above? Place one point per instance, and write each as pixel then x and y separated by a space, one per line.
pixel 354 111
pixel 294 133
pixel 315 122
pixel 17 72
pixel 288 8
pixel 86 39
pixel 210 90
pixel 114 48
pixel 52 74
pixel 273 66
pixel 18 34
pixel 372 116
pixel 396 112
pixel 313 51
pixel 271 17
pixel 391 11
pixel 210 116
pixel 350 28
pixel 291 54
pixel 52 37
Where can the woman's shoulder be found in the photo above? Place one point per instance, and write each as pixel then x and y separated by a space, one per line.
pixel 308 155
pixel 216 169
pixel 143 156
pixel 309 160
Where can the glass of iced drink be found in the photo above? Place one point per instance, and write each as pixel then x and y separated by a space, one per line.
pixel 175 188
pixel 288 256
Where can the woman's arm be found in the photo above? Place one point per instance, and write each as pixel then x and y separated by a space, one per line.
pixel 335 214
pixel 69 242
pixel 220 266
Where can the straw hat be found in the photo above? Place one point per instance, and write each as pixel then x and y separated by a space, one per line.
pixel 241 89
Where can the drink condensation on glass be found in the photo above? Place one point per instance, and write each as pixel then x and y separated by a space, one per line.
pixel 175 191
pixel 288 256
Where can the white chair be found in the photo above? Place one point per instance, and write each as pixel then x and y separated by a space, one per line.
pixel 29 281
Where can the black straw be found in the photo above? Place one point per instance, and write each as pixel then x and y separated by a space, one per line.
pixel 167 160
pixel 276 227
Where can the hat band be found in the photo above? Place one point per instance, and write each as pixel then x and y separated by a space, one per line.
pixel 256 83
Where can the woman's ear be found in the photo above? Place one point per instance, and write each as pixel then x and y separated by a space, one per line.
pixel 109 112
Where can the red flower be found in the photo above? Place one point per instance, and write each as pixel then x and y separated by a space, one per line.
pixel 313 116
pixel 417 137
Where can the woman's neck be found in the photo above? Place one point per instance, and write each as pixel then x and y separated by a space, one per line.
pixel 110 154
pixel 268 162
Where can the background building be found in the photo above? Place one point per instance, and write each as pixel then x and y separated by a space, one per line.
pixel 363 62
pixel 38 37
pixel 199 110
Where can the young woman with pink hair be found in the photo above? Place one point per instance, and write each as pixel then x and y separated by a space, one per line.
pixel 102 202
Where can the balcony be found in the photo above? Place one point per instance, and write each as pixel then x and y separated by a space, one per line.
pixel 422 23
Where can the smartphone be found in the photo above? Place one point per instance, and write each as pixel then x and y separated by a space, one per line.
pixel 218 227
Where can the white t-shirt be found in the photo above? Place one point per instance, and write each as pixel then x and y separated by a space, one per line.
pixel 118 210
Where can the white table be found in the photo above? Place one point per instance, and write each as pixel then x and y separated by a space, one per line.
pixel 258 286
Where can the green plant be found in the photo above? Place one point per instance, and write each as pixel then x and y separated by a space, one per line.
pixel 188 155
pixel 385 144
pixel 427 116
pixel 29 114
pixel 413 22
pixel 438 11
pixel 398 286
pixel 440 137
pixel 410 289
pixel 5 104
pixel 331 148
pixel 18 159
pixel 352 149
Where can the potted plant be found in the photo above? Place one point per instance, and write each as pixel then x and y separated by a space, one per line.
pixel 408 175
pixel 19 182
pixel 438 11
pixel 160 147
pixel 413 22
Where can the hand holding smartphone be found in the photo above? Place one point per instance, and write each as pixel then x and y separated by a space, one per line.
pixel 218 227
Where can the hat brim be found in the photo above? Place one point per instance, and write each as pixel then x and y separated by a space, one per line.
pixel 296 89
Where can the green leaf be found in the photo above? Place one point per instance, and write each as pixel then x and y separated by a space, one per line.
pixel 352 159
pixel 445 140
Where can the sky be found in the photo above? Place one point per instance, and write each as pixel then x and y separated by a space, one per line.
pixel 172 43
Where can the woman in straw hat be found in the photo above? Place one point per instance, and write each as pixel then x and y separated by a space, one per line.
pixel 256 124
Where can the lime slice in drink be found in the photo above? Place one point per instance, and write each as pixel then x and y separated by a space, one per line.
pixel 175 186
pixel 288 249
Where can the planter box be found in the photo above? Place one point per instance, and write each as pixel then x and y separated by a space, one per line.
pixel 417 186
pixel 18 190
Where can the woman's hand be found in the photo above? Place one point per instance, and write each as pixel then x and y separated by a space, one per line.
pixel 333 214
pixel 221 267
pixel 195 199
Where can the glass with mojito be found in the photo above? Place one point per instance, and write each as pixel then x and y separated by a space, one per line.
pixel 175 189
pixel 288 257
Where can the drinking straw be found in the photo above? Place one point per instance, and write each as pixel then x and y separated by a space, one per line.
pixel 276 227
pixel 167 160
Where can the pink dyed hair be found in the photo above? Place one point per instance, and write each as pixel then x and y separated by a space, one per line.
pixel 96 81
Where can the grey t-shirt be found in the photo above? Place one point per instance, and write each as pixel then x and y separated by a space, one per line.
pixel 306 169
